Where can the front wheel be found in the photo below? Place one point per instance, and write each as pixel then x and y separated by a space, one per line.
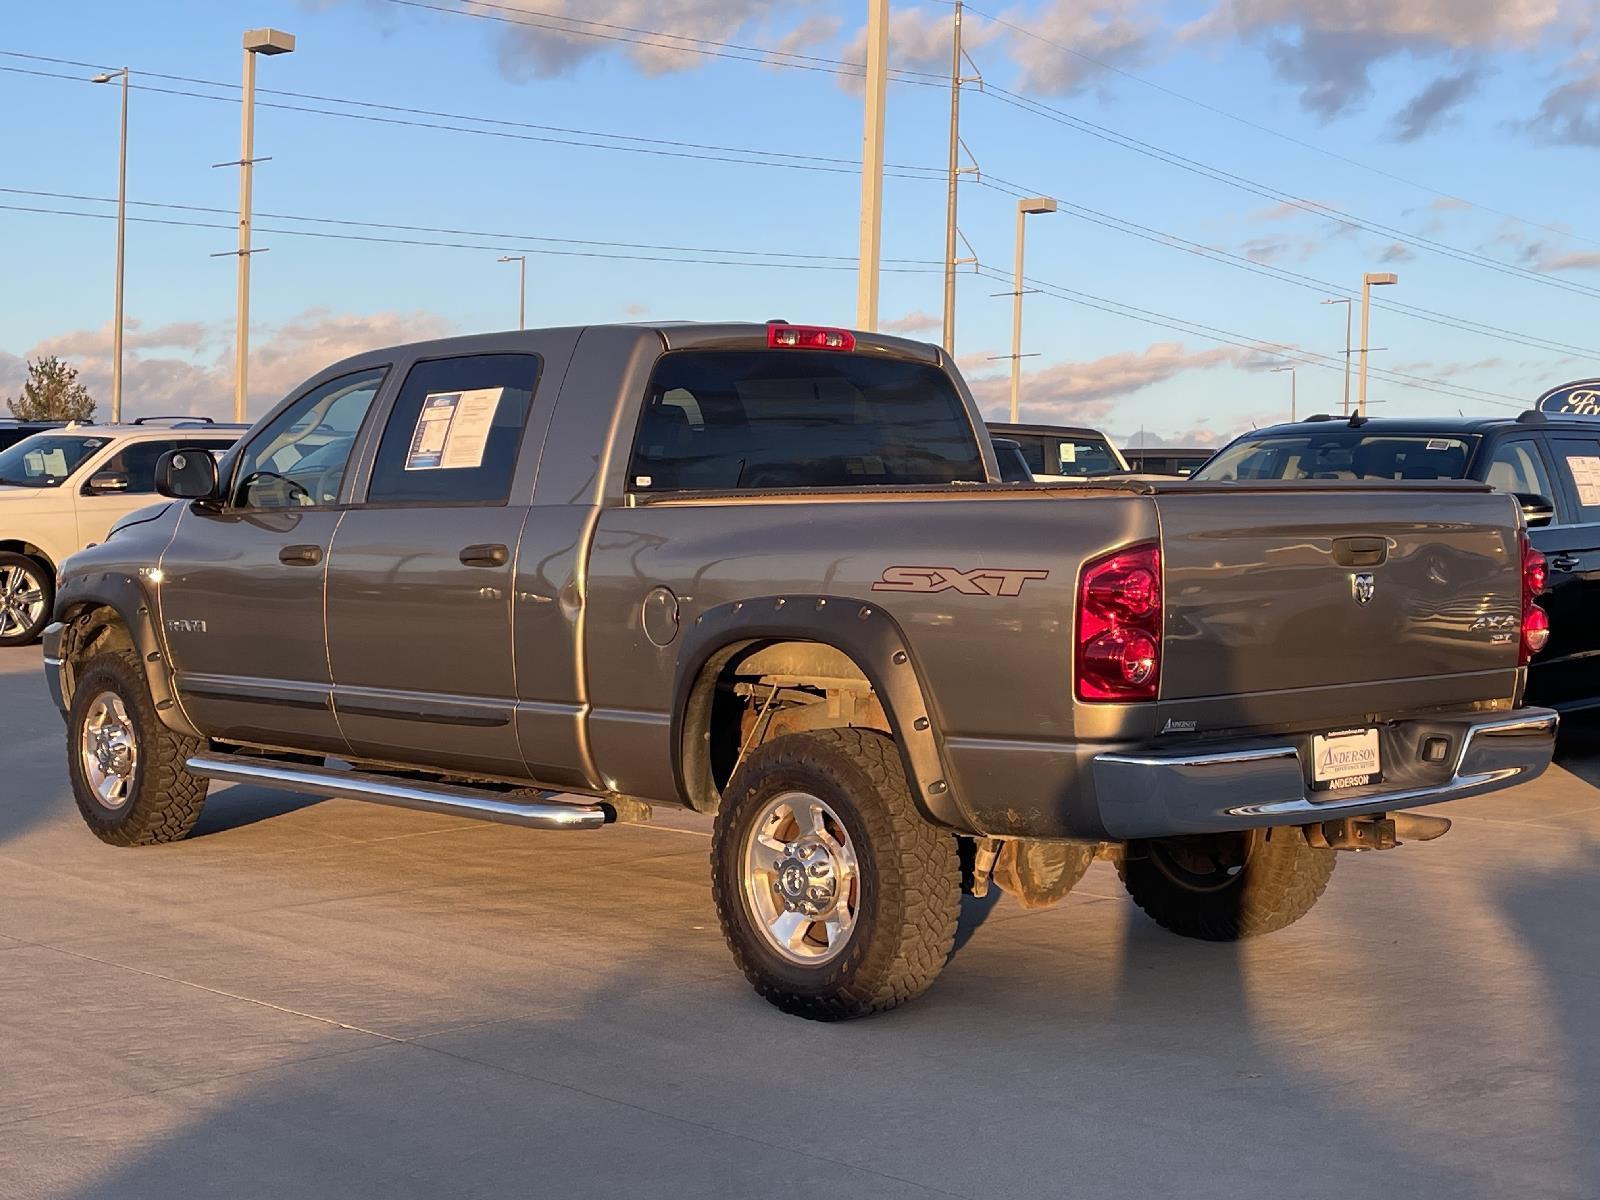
pixel 127 768
pixel 27 590
pixel 1226 886
pixel 836 897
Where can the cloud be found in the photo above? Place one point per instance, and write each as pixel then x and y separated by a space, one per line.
pixel 919 40
pixel 1430 107
pixel 186 368
pixel 1396 252
pixel 1107 33
pixel 1086 391
pixel 1539 254
pixel 1570 114
pixel 916 322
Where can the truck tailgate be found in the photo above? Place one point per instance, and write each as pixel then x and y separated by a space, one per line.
pixel 1288 604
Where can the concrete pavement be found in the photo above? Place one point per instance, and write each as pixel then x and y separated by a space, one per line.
pixel 325 999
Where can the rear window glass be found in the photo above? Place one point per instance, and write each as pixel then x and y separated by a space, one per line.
pixel 733 419
pixel 1348 454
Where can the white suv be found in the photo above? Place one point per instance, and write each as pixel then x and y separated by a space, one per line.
pixel 65 489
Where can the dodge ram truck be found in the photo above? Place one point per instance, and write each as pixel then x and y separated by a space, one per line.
pixel 770 572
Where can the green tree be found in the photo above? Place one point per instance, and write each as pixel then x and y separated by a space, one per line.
pixel 52 393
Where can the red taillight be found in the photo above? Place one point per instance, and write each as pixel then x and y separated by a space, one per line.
pixel 1535 621
pixel 808 337
pixel 1119 626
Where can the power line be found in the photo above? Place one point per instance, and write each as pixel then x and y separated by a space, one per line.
pixel 1267 129
pixel 1268 192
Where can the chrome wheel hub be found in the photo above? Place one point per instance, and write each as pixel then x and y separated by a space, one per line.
pixel 21 600
pixel 107 750
pixel 801 878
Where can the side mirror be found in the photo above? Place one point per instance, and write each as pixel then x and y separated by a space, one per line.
pixel 1536 510
pixel 106 483
pixel 187 475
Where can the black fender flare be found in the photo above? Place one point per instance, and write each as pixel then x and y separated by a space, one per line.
pixel 858 628
pixel 129 597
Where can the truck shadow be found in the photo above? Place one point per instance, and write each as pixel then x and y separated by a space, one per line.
pixel 242 805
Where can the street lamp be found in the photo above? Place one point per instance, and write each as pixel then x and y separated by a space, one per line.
pixel 1292 385
pixel 1349 306
pixel 1033 204
pixel 1369 281
pixel 122 229
pixel 522 276
pixel 256 41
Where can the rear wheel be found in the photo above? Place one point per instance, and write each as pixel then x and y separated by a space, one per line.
pixel 1226 886
pixel 127 768
pixel 836 897
pixel 27 590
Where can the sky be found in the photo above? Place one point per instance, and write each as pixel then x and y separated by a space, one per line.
pixel 1222 167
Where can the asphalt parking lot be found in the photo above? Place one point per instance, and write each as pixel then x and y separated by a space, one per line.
pixel 327 999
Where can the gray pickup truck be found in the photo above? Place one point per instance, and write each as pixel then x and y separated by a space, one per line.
pixel 770 572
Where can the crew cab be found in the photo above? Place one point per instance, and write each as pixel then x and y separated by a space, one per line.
pixel 64 487
pixel 1550 462
pixel 553 578
pixel 1061 452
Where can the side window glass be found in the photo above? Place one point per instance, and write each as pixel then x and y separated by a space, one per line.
pixel 299 460
pixel 136 462
pixel 1579 460
pixel 1517 467
pixel 455 430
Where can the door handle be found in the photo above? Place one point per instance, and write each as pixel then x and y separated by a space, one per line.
pixel 300 556
pixel 485 556
pixel 1564 562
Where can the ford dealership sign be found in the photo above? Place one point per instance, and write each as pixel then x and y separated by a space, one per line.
pixel 1580 399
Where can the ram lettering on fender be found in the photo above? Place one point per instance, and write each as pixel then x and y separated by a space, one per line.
pixel 984 581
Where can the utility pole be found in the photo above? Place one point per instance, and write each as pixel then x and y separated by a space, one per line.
pixel 1369 281
pixel 256 41
pixel 122 229
pixel 1349 306
pixel 950 203
pixel 872 165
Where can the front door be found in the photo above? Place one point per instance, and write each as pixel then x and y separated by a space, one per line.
pixel 242 593
pixel 420 582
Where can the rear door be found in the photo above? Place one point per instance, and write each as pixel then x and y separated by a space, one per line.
pixel 420 582
pixel 1564 672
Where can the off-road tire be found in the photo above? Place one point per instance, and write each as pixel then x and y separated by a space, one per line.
pixel 164 799
pixel 47 584
pixel 1281 878
pixel 910 878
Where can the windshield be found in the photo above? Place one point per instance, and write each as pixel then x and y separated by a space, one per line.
pixel 46 459
pixel 1343 454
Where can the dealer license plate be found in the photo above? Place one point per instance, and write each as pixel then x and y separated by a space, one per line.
pixel 1345 759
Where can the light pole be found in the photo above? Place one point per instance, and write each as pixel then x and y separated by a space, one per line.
pixel 1293 382
pixel 1369 281
pixel 256 41
pixel 872 165
pixel 522 279
pixel 1349 307
pixel 122 229
pixel 1034 204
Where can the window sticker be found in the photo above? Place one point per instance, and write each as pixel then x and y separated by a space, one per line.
pixel 453 429
pixel 1438 443
pixel 1069 452
pixel 1586 477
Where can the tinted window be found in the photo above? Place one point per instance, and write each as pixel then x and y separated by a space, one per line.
pixel 137 461
pixel 1085 456
pixel 299 459
pixel 1579 460
pixel 46 460
pixel 1032 453
pixel 1347 454
pixel 1013 467
pixel 800 418
pixel 1517 467
pixel 454 432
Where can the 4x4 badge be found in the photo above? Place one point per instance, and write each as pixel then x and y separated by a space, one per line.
pixel 1362 586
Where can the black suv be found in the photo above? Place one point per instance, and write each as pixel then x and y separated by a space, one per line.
pixel 12 432
pixel 1551 462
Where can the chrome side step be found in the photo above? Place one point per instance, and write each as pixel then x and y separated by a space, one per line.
pixel 550 810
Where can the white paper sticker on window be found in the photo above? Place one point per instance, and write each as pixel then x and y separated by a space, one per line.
pixel 1586 477
pixel 1069 452
pixel 1438 443
pixel 453 429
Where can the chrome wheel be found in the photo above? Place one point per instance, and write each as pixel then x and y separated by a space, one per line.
pixel 21 600
pixel 801 879
pixel 108 750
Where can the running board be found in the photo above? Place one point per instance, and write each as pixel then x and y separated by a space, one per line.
pixel 549 810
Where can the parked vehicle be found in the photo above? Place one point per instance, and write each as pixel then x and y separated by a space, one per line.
pixel 1165 460
pixel 64 489
pixel 1551 463
pixel 1013 466
pixel 12 432
pixel 552 578
pixel 1058 452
